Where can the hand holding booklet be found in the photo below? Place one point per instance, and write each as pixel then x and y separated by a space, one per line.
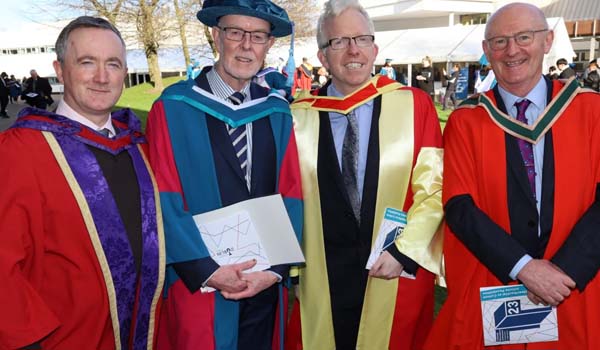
pixel 257 228
pixel 391 228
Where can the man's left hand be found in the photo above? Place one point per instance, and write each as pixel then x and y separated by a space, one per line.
pixel 386 267
pixel 257 282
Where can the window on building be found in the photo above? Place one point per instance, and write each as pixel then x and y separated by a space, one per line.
pixel 475 18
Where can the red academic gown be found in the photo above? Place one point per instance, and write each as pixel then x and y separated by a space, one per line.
pixel 302 78
pixel 53 287
pixel 474 164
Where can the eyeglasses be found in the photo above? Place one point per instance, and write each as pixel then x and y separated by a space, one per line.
pixel 237 34
pixel 522 39
pixel 344 42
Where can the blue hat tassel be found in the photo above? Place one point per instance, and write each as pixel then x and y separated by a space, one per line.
pixel 290 67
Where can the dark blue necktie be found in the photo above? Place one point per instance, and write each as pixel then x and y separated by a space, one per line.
pixel 104 132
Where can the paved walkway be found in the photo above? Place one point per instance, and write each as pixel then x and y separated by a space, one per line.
pixel 13 109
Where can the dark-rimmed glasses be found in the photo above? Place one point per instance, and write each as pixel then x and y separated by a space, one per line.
pixel 344 42
pixel 237 34
pixel 522 39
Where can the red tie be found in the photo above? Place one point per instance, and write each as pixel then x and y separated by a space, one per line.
pixel 526 147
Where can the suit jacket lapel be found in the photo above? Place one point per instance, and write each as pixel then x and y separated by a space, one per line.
pixel 263 150
pixel 513 154
pixel 218 132
pixel 547 205
pixel 371 182
pixel 327 151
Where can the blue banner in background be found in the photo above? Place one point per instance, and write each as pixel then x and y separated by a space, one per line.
pixel 462 85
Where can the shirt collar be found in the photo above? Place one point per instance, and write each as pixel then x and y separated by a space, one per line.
pixel 65 110
pixel 220 88
pixel 537 96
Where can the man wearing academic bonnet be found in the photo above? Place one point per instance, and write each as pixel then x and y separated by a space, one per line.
pixel 521 194
pixel 217 140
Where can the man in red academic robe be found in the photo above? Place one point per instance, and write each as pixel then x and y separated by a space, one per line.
pixel 81 246
pixel 521 194
pixel 303 77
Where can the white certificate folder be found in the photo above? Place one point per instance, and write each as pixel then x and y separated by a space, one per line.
pixel 257 228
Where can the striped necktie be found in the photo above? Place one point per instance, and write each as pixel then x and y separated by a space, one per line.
pixel 525 147
pixel 239 135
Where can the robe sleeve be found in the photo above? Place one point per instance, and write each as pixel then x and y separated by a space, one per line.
pixel 183 241
pixel 421 240
pixel 26 318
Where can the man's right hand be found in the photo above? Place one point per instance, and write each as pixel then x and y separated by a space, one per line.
pixel 546 281
pixel 228 278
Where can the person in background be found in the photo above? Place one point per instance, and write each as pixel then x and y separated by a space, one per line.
pixel 38 91
pixel 452 80
pixel 215 141
pixel 592 80
pixel 82 255
pixel 303 77
pixel 522 204
pixel 486 79
pixel 370 151
pixel 552 73
pixel 388 70
pixel 14 89
pixel 323 76
pixel 4 93
pixel 271 78
pixel 425 77
pixel 565 70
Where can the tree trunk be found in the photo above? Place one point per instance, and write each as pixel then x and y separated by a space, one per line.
pixel 154 69
pixel 148 35
pixel 211 42
pixel 210 39
pixel 182 34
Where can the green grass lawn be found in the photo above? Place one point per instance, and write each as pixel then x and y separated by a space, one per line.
pixel 139 98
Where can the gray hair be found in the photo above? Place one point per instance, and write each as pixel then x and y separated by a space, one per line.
pixel 81 22
pixel 334 8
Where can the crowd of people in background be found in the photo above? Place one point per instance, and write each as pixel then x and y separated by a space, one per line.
pixel 36 91
pixel 480 77
pixel 589 78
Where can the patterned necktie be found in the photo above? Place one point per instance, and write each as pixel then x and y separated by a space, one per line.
pixel 350 163
pixel 525 147
pixel 238 135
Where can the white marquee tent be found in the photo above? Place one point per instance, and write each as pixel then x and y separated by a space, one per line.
pixel 460 43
